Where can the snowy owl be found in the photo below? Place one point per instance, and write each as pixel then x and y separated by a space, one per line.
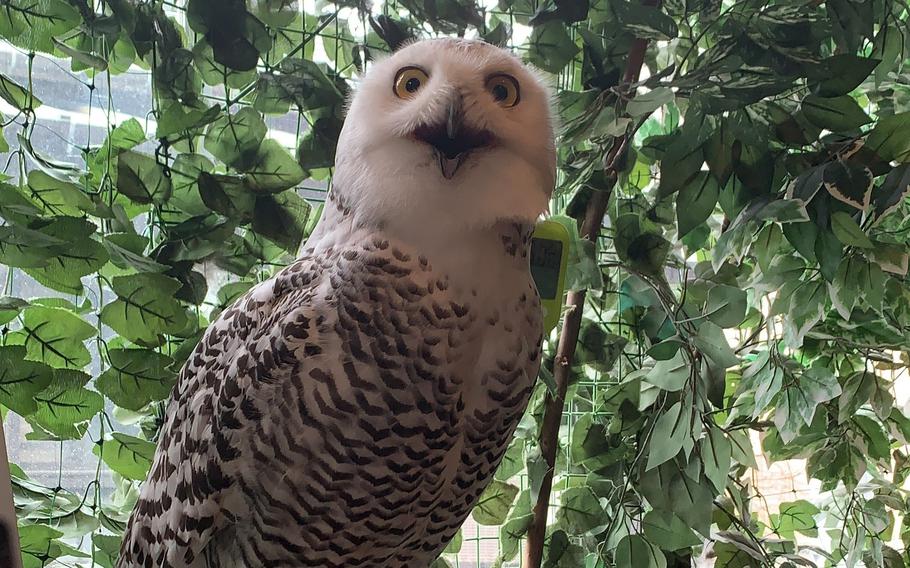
pixel 351 410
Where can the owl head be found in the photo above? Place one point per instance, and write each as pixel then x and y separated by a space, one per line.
pixel 453 133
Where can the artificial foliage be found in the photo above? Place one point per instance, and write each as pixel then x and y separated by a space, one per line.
pixel 739 172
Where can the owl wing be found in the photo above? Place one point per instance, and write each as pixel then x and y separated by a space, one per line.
pixel 192 490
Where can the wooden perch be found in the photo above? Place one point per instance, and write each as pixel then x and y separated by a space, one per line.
pixel 590 226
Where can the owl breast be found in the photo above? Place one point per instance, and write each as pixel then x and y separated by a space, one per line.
pixel 393 395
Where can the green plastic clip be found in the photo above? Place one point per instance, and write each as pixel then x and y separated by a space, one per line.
pixel 550 246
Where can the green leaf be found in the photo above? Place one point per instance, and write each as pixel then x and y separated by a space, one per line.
pixel 579 511
pixel 145 308
pixel 282 218
pixel 682 161
pixel 857 280
pixel 494 503
pixel 273 169
pixel 56 336
pixel 304 83
pixel 70 262
pixel 65 408
pixel 235 137
pixel 796 516
pixel 633 551
pixel 106 548
pixel 839 74
pixel 454 545
pixel 136 377
pixel 185 174
pixel 237 71
pixel 21 380
pixel 806 308
pixel 58 196
pixel 645 22
pixel 877 441
pixel 589 447
pixel 227 195
pixel 733 243
pixel 512 462
pixel 35 540
pixel 537 470
pixel 735 550
pixel 858 389
pixel 15 207
pixel 711 341
pixel 726 305
pixel 176 119
pixel 716 452
pixel 766 378
pixel 644 104
pixel 829 251
pixel 550 47
pixel 669 530
pixel 229 293
pixel 890 138
pixel 24 248
pixel 511 533
pixel 798 403
pixel 640 244
pixel 696 201
pixel 10 308
pixel 86 58
pixel 276 13
pixel 142 179
pixel 670 375
pixel 837 114
pixel 681 491
pixel 33 24
pixel 127 251
pixel 875 516
pixel 598 348
pixel 893 191
pixel 847 231
pixel 671 430
pixel 783 211
pixel 129 456
pixel 817 385
pixel 666 349
pixel 17 95
pixel 849 183
pixel 125 136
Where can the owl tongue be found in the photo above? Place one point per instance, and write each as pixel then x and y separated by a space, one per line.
pixel 448 166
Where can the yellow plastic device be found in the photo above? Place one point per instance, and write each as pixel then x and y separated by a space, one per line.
pixel 550 245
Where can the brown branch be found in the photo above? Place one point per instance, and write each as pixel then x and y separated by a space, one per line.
pixel 589 229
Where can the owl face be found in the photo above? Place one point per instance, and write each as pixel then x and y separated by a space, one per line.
pixel 454 124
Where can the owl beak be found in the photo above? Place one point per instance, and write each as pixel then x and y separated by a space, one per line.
pixel 448 166
pixel 451 140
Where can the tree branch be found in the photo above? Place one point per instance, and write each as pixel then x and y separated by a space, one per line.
pixel 589 229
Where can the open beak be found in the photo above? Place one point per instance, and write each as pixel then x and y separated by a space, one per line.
pixel 451 139
pixel 448 166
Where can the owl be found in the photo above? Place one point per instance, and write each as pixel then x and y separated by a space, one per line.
pixel 351 410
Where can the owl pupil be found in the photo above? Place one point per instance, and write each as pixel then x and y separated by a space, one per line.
pixel 412 84
pixel 500 92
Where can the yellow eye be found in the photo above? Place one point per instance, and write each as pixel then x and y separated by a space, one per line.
pixel 504 89
pixel 408 81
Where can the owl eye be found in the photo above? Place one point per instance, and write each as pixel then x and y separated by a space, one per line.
pixel 504 89
pixel 408 81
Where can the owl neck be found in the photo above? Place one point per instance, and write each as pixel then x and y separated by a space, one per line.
pixel 504 243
